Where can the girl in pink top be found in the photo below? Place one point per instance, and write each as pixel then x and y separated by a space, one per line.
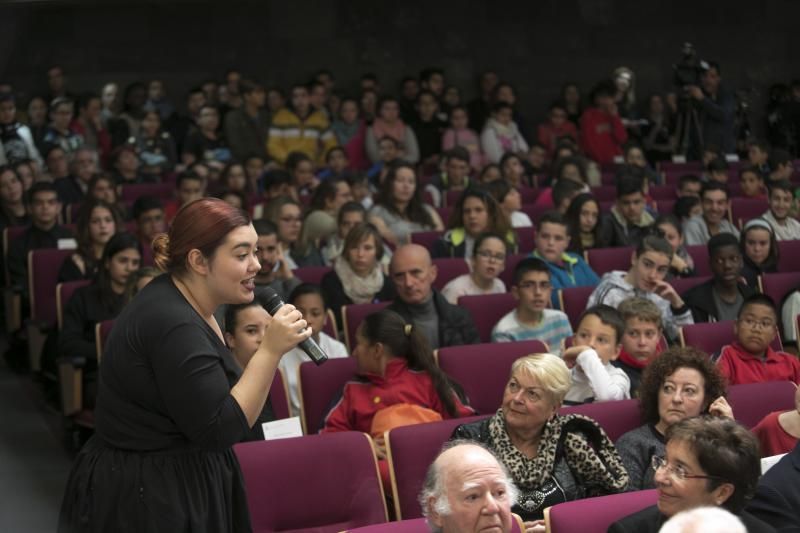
pixel 459 134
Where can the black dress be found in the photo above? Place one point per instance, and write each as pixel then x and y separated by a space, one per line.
pixel 161 457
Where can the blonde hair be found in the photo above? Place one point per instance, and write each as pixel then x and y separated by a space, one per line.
pixel 549 370
pixel 644 310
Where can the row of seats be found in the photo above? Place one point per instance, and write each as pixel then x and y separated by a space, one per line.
pixel 340 475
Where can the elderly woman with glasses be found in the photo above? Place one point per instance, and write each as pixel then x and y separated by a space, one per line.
pixel 708 462
pixel 680 383
pixel 552 458
pixel 487 263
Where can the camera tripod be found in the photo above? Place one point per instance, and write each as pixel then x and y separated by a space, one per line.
pixel 688 125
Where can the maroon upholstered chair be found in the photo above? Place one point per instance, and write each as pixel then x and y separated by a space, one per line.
pixel 712 336
pixel 507 275
pixel 529 194
pixel 665 206
pixel 777 285
pixel 311 274
pixel 616 418
pixel 279 396
pixel 101 332
pixel 448 268
pixel 64 292
pixel 526 239
pixel 753 401
pixel 487 310
pixel 699 253
pixel 789 252
pixel 573 302
pixel 743 209
pixel 604 193
pixel 681 285
pixel 410 451
pixel 444 213
pixel 663 192
pixel 134 190
pixel 321 483
pixel 604 260
pixel 483 369
pixel 595 515
pixel 43 267
pixel 426 238
pixel 352 315
pixel 420 525
pixel 318 387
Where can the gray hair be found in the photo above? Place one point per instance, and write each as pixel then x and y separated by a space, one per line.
pixel 705 520
pixel 434 485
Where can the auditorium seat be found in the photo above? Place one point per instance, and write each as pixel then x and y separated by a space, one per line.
pixel 573 302
pixel 352 316
pixel 604 260
pixel 788 257
pixel 681 285
pixel 311 274
pixel 279 396
pixel 487 310
pixel 604 193
pixel 420 525
pixel 321 483
pixel 699 253
pixel 483 369
pixel 663 192
pixel 751 402
pixel 426 238
pixel 70 372
pixel 132 191
pixel 410 450
pixel 526 239
pixel 101 332
pixel 12 300
pixel 64 292
pixel 710 337
pixel 616 417
pixel 447 269
pixel 507 275
pixel 595 515
pixel 743 209
pixel 777 285
pixel 317 388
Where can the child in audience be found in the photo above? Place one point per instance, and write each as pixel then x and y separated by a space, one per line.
pixel 567 269
pixel 717 170
pixel 645 279
pixel 758 155
pixel 488 261
pixel 759 250
pixel 682 264
pixel 459 134
pixel 779 431
pixel 687 207
pixel 510 201
pixel 583 219
pixel 245 325
pixel 350 215
pixel 476 212
pixel 307 298
pixel 752 183
pixel 628 220
pixel 751 359
pixel 532 319
pixel 336 164
pixel 359 188
pixel 596 344
pixel 781 200
pixel 641 342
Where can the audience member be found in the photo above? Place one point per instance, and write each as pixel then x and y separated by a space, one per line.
pixel 779 431
pixel 513 170
pixel 286 214
pixel 16 139
pixel 97 224
pixel 556 128
pixel 206 144
pixel 127 167
pixel 148 215
pixel 351 134
pixel 682 264
pixel 758 156
pixel 320 220
pixel 486 264
pixel 716 107
pixel 601 131
pixel 12 202
pixel 58 132
pixel 501 134
pixel 716 203
pixel 154 148
pixel 428 127
pixel 454 178
pixel 90 127
pixel 657 131
pixel 781 166
pixel 583 221
pixel 247 128
pixel 717 170
pixel 275 272
pixel 389 124
pixel 781 202
pixel 189 186
pixel 299 129
pixel 705 519
pixel 642 341
pixel 510 201
pixel 350 215
pixel 760 252
pixel 476 212
pixel 481 107
pixel 752 183
pixel 777 496
pixel 72 188
pixel 686 208
pixel 460 135
pixel 689 185
pixel 628 222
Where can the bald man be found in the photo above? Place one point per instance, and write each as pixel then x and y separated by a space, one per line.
pixel 467 490
pixel 444 324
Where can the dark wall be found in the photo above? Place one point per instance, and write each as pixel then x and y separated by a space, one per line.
pixel 536 45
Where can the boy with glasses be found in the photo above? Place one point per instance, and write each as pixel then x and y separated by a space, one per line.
pixel 531 319
pixel 750 359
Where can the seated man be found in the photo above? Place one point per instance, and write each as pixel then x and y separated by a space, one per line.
pixel 777 497
pixel 715 202
pixel 566 269
pixel 443 323
pixel 645 279
pixel 641 342
pixel 721 297
pixel 628 220
pixel 781 201
pixel 275 272
pixel 454 178
pixel 148 214
pixel 467 489
pixel 532 319
pixel 780 166
pixel 189 186
pixel 689 185
pixel 750 359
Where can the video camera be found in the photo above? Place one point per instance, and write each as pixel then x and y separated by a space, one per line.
pixel 688 70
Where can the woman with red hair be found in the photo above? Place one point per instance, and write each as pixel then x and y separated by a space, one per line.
pixel 172 400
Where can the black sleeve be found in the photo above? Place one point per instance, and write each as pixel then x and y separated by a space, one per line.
pixel 605 235
pixel 771 506
pixel 72 341
pixel 17 265
pixel 469 332
pixel 333 293
pixel 194 145
pixel 70 271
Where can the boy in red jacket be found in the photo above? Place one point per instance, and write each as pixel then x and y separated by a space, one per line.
pixel 602 132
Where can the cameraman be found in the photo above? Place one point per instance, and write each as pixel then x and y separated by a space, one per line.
pixel 716 108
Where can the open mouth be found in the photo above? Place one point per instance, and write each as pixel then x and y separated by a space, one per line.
pixel 249 284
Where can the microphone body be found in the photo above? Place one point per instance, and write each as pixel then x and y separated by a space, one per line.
pixel 273 302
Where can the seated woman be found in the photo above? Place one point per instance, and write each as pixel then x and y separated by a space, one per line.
pixel 707 462
pixel 328 198
pixel 12 202
pixel 395 364
pixel 357 276
pixel 234 178
pixel 97 223
pixel 510 201
pixel 399 210
pixel 103 187
pixel 475 212
pixel 389 124
pixel 287 216
pixel 678 384
pixel 759 250
pixel 487 262
pixel 682 264
pixel 102 300
pixel 552 458
pixel 583 220
pixel 779 431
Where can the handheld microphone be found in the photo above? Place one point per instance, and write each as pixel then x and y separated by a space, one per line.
pixel 273 302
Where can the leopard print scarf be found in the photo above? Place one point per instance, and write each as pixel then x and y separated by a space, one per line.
pixel 590 454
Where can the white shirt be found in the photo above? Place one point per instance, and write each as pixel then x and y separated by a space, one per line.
pixel 290 364
pixel 464 286
pixel 591 378
pixel 520 220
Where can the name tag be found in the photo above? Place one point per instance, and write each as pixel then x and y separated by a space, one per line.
pixel 282 429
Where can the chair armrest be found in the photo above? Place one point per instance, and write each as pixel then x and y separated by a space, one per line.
pixel 70 378
pixel 12 304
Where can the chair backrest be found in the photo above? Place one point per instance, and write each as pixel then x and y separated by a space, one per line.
pixel 604 260
pixel 420 525
pixel 101 332
pixel 317 386
pixel 751 402
pixel 681 285
pixel 777 285
pixel 331 326
pixel 447 269
pixel 483 369
pixel 410 451
pixel 444 213
pixel 133 191
pixel 426 238
pixel 789 252
pixel 352 315
pixel 487 310
pixel 663 192
pixel 746 208
pixel 507 275
pixel 311 274
pixel 279 396
pixel 43 268
pixel 595 515
pixel 604 193
pixel 616 418
pixel 337 473
pixel 712 336
pixel 526 239
pixel 699 253
pixel 64 292
pixel 665 206
pixel 573 302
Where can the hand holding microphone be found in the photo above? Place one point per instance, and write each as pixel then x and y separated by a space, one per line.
pixel 297 331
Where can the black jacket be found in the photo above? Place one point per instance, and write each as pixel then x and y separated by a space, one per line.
pixel 613 234
pixel 700 300
pixel 650 520
pixel 85 309
pixel 777 499
pixel 456 326
pixel 335 298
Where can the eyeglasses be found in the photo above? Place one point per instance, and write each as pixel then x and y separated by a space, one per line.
pixel 489 256
pixel 753 323
pixel 676 473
